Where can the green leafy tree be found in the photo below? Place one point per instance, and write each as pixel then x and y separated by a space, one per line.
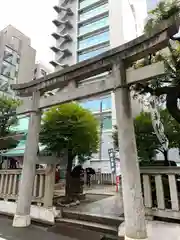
pixel 146 140
pixel 166 87
pixel 72 128
pixel 8 119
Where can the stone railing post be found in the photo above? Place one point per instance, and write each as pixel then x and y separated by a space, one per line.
pixel 135 227
pixel 22 216
pixel 49 185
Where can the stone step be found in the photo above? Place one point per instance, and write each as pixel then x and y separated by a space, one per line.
pixel 85 216
pixel 75 232
pixel 112 230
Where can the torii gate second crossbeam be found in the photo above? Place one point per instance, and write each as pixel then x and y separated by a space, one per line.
pixel 115 61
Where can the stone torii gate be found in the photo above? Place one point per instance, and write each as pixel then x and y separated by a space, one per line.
pixel 117 62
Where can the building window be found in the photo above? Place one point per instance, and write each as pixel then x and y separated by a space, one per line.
pixel 10 65
pixel 86 3
pixel 86 55
pixel 93 12
pixel 95 25
pixel 106 103
pixel 94 40
pixel 107 123
pixel 43 72
pixel 95 105
pixel 8 70
pixel 5 83
pixel 11 56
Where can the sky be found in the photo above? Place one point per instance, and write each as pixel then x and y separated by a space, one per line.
pixel 34 19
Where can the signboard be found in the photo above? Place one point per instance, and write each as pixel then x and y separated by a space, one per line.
pixel 115 166
pixel 112 159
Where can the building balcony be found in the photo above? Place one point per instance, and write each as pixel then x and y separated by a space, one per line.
pixel 66 2
pixel 66 52
pixel 55 49
pixel 66 23
pixel 59 9
pixel 56 64
pixel 66 36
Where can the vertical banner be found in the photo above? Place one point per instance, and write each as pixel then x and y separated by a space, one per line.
pixel 115 166
pixel 112 159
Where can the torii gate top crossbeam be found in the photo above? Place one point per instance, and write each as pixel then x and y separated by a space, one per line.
pixel 131 51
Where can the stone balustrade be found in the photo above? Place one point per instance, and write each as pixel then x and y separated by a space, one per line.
pixel 103 178
pixel 161 191
pixel 42 195
pixel 9 185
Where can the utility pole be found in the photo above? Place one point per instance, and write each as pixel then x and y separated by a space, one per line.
pixel 100 131
pixel 100 136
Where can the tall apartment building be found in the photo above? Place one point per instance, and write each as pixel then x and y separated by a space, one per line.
pixel 86 28
pixel 17 59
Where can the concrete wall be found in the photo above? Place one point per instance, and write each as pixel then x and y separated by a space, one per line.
pixel 27 64
pixel 12 37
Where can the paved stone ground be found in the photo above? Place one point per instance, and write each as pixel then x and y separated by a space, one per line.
pixel 7 232
pixel 35 232
pixel 111 206
pixel 95 189
pixel 159 230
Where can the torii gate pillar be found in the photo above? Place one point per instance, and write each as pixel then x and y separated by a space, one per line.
pixel 22 216
pixel 135 226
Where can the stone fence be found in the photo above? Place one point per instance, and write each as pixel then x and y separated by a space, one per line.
pixel 161 191
pixel 10 181
pixel 103 178
pixel 160 185
pixel 42 195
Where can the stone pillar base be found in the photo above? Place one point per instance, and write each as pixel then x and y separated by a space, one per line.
pixel 122 233
pixel 21 221
pixel 127 238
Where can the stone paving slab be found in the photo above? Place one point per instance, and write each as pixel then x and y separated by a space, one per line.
pixel 159 230
pixel 7 232
pixel 111 206
pixel 95 189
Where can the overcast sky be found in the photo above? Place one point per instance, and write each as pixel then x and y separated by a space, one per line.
pixel 34 19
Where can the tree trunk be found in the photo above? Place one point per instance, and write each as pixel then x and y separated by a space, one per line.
pixel 1 163
pixel 166 160
pixel 172 103
pixel 68 176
